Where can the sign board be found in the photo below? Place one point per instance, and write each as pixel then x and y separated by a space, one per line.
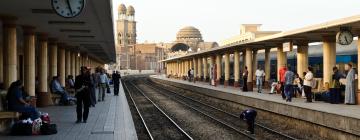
pixel 287 46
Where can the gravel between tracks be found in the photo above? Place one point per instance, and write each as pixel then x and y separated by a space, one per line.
pixel 236 108
pixel 199 126
pixel 160 127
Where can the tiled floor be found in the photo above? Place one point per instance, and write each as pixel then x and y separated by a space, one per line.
pixel 109 120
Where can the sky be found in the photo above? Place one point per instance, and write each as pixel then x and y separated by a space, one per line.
pixel 160 20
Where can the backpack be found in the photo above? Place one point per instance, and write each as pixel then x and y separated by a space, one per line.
pixel 48 129
pixel 22 129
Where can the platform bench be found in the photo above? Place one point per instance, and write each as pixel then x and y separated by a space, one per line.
pixel 9 115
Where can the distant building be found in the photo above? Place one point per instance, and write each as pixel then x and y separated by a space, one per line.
pixel 188 40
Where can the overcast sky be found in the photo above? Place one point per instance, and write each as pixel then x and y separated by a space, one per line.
pixel 159 20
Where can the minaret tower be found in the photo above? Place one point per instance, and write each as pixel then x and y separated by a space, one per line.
pixel 126 34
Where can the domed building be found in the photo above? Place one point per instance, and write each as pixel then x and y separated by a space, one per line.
pixel 188 40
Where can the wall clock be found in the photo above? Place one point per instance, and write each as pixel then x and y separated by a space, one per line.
pixel 68 8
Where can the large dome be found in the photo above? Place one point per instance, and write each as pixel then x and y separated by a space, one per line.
pixel 189 32
pixel 130 11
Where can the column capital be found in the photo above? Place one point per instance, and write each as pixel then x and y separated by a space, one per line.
pixel 8 21
pixel 43 36
pixel 53 41
pixel 329 38
pixel 28 30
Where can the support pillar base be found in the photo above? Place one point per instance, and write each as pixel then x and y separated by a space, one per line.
pixel 358 98
pixel 217 82
pixel 250 86
pixel 44 99
pixel 226 83
pixel 236 84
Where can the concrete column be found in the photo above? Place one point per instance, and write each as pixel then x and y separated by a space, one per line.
pixel 267 65
pixel 255 63
pixel 10 53
pixel 2 62
pixel 53 58
pixel 358 71
pixel 29 60
pixel 77 65
pixel 61 66
pixel 227 69
pixel 249 65
pixel 329 54
pixel 43 65
pixel 205 71
pixel 200 74
pixel 211 61
pixel 243 59
pixel 218 68
pixel 236 69
pixel 73 63
pixel 302 59
pixel 281 60
pixel 195 68
pixel 67 63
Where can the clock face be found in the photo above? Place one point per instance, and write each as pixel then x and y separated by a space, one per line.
pixel 344 37
pixel 68 8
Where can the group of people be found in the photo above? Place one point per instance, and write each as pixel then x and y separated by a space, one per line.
pixel 291 84
pixel 85 86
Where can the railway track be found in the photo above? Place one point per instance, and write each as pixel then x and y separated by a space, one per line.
pixel 157 123
pixel 231 120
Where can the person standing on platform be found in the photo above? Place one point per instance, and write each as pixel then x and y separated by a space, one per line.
pixel 260 74
pixel 245 76
pixel 282 72
pixel 103 83
pixel 249 115
pixel 289 81
pixel 116 79
pixel 308 84
pixel 335 86
pixel 94 83
pixel 350 96
pixel 82 87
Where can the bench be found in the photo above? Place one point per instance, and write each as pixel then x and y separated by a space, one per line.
pixel 9 115
pixel 55 98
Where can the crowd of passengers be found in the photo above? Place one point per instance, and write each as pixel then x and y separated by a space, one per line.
pixel 19 101
pixel 292 84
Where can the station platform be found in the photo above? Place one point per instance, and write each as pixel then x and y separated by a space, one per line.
pixel 108 120
pixel 341 117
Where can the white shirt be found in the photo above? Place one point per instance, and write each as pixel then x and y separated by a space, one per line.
pixel 308 79
pixel 259 73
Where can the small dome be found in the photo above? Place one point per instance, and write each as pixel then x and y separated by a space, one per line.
pixel 122 9
pixel 130 11
pixel 189 32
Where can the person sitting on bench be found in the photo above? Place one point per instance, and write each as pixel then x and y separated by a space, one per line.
pixel 16 102
pixel 58 89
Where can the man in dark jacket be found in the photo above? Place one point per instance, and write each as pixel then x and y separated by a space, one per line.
pixel 249 116
pixel 116 79
pixel 82 87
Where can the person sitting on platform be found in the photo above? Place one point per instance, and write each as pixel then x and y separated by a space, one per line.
pixel 16 102
pixel 58 89
pixel 249 116
pixel 70 81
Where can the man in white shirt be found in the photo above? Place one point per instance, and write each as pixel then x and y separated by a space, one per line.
pixel 259 73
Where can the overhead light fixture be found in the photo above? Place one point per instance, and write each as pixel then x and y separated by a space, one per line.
pixel 42 11
pixel 81 36
pixel 66 22
pixel 75 30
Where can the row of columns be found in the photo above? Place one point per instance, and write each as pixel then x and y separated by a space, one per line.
pixel 250 59
pixel 53 59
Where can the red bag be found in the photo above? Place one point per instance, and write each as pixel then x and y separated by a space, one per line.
pixel 45 118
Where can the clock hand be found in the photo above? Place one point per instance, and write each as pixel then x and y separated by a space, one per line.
pixel 346 40
pixel 68 3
